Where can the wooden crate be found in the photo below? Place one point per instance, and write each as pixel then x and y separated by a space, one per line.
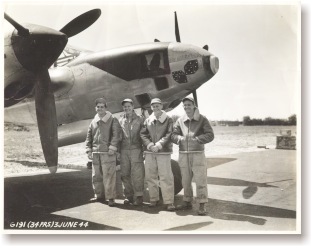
pixel 286 142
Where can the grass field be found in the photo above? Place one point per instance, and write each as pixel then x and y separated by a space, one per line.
pixel 23 153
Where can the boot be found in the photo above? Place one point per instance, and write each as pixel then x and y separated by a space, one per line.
pixel 202 210
pixel 153 204
pixel 171 207
pixel 138 201
pixel 185 206
pixel 111 203
pixel 97 199
pixel 128 200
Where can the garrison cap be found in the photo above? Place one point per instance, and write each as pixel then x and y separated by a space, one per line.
pixel 189 98
pixel 100 101
pixel 156 101
pixel 127 100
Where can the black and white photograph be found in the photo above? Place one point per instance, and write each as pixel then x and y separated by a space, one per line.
pixel 152 118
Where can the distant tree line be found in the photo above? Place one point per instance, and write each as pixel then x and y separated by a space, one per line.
pixel 292 120
pixel 227 123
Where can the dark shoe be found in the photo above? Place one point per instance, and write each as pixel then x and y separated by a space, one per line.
pixel 128 200
pixel 153 204
pixel 111 203
pixel 171 207
pixel 96 199
pixel 138 201
pixel 185 206
pixel 202 210
pixel 89 165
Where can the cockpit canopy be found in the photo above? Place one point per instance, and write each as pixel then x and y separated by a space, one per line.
pixel 144 61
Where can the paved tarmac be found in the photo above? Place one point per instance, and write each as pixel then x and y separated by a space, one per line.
pixel 251 192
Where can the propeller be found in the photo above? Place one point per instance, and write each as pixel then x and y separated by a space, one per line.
pixel 81 23
pixel 195 97
pixel 37 48
pixel 178 38
pixel 21 30
pixel 47 119
pixel 177 27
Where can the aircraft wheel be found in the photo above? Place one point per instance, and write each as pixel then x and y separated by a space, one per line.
pixel 176 176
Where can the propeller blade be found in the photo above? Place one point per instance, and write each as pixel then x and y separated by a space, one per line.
pixel 177 28
pixel 81 22
pixel 20 29
pixel 156 40
pixel 195 97
pixel 205 47
pixel 47 119
pixel 36 49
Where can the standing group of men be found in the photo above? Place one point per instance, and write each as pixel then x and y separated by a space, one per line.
pixel 131 136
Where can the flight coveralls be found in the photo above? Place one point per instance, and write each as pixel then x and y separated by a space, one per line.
pixel 191 135
pixel 102 135
pixel 131 159
pixel 158 132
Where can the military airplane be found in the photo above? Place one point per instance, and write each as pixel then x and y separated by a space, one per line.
pixel 60 98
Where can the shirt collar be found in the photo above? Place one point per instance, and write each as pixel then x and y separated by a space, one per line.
pixel 196 116
pixel 134 116
pixel 104 118
pixel 161 118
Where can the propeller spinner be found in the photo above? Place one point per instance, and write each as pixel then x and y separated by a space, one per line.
pixel 37 48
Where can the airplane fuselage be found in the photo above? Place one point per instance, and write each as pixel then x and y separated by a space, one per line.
pixel 169 71
pixel 61 99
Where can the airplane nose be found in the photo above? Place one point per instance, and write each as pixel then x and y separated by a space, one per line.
pixel 214 64
pixel 211 63
pixel 40 49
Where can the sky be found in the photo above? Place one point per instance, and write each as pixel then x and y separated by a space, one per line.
pixel 258 46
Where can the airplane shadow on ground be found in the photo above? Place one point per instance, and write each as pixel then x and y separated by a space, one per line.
pixel 220 209
pixel 251 187
pixel 37 197
pixel 190 227
pixel 229 210
pixel 216 161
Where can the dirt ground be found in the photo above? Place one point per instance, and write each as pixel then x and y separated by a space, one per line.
pixel 251 191
pixel 23 152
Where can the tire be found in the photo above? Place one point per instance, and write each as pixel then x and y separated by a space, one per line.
pixel 177 178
